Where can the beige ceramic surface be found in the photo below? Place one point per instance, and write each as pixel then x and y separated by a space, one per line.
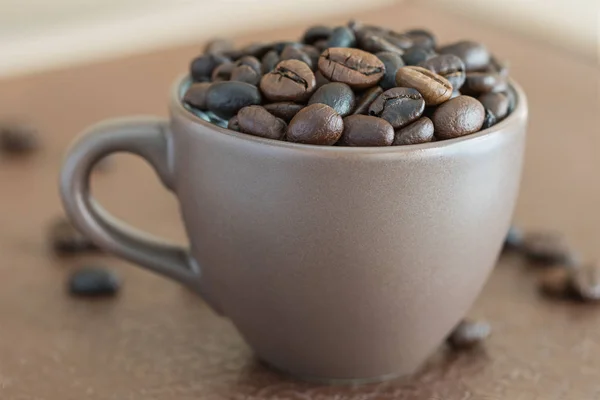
pixel 334 263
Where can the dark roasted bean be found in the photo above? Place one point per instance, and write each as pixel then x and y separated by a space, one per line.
pixel 251 62
pixel 280 46
pixel 399 106
pixel 336 95
pixel 269 61
pixel 475 55
pixel 449 66
pixel 477 83
pixel 295 53
pixel 366 131
pixel 257 121
pixel 547 248
pixel 202 67
pixel 321 45
pixel 234 124
pixel 314 54
pixel 497 103
pixel 354 67
pixel 366 99
pixel 225 99
pixel 316 124
pixel 316 33
pixel 420 131
pixel 342 37
pixel 421 38
pixel 490 119
pixel 555 281
pixel 18 138
pixel 434 88
pixel 195 96
pixel 244 73
pixel 374 43
pixel 222 72
pixel 468 334
pixel 460 116
pixel 93 281
pixel 417 55
pixel 320 79
pixel 392 62
pixel 285 110
pixel 64 238
pixel 257 50
pixel 585 282
pixel 291 80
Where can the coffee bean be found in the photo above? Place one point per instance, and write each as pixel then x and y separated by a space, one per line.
pixel 217 120
pixel 497 103
pixel 225 99
pixel 285 110
pixel 499 67
pixel 218 46
pixel 420 131
pixel 18 138
pixel 585 282
pixel 320 79
pixel 468 334
pixel 195 96
pixel 460 116
pixel 555 281
pixel 93 281
pixel 399 40
pixel 257 121
pixel 475 55
pixel 202 67
pixel 336 95
pixel 280 46
pixel 291 80
pixel 354 67
pixel 374 43
pixel 251 62
pixel 234 124
pixel 421 38
pixel 513 239
pixel 489 120
pixel 321 45
pixel 316 33
pixel 399 106
pixel 244 73
pixel 449 66
pixel 64 238
pixel 512 99
pixel 547 248
pixel 417 55
pixel 257 50
pixel 366 99
pixel 342 37
pixel 477 83
pixel 314 55
pixel 392 62
pixel 269 61
pixel 223 72
pixel 366 131
pixel 294 53
pixel 316 124
pixel 434 88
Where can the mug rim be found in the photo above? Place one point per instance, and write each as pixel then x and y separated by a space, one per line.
pixel 519 113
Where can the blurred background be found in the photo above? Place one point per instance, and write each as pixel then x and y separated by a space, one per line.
pixel 40 34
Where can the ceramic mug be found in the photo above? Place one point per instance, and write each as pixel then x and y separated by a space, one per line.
pixel 334 263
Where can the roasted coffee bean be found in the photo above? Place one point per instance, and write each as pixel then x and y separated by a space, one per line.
pixel 257 50
pixel 244 73
pixel 547 248
pixel 285 110
pixel 499 67
pixel 225 99
pixel 468 334
pixel 195 96
pixel 316 124
pixel 257 121
pixel 202 67
pixel 449 66
pixel 420 131
pixel 320 79
pixel 218 46
pixel 434 88
pixel 399 106
pixel 64 238
pixel 321 45
pixel 354 67
pixel 513 239
pixel 366 99
pixel 475 55
pixel 366 131
pixel 18 138
pixel 585 282
pixel 316 33
pixel 269 61
pixel 460 116
pixel 342 37
pixel 314 55
pixel 223 72
pixel 295 53
pixel 417 55
pixel 336 95
pixel 93 281
pixel 497 103
pixel 234 124
pixel 477 83
pixel 280 46
pixel 555 281
pixel 399 40
pixel 512 99
pixel 251 62
pixel 291 80
pixel 374 43
pixel 489 120
pixel 421 38
pixel 392 62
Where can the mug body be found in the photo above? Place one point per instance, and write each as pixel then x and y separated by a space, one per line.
pixel 342 263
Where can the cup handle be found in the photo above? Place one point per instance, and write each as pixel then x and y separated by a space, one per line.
pixel 150 139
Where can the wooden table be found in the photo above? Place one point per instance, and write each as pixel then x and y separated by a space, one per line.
pixel 159 341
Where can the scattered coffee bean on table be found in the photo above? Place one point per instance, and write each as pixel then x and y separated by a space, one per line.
pixel 468 334
pixel 64 238
pixel 403 78
pixel 93 282
pixel 18 138
pixel 547 248
pixel 555 281
pixel 585 282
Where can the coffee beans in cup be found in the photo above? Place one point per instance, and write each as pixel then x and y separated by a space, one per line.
pixel 356 85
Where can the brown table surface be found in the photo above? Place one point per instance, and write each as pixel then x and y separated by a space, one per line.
pixel 159 341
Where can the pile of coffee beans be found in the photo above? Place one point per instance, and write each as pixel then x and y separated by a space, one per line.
pixel 354 85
